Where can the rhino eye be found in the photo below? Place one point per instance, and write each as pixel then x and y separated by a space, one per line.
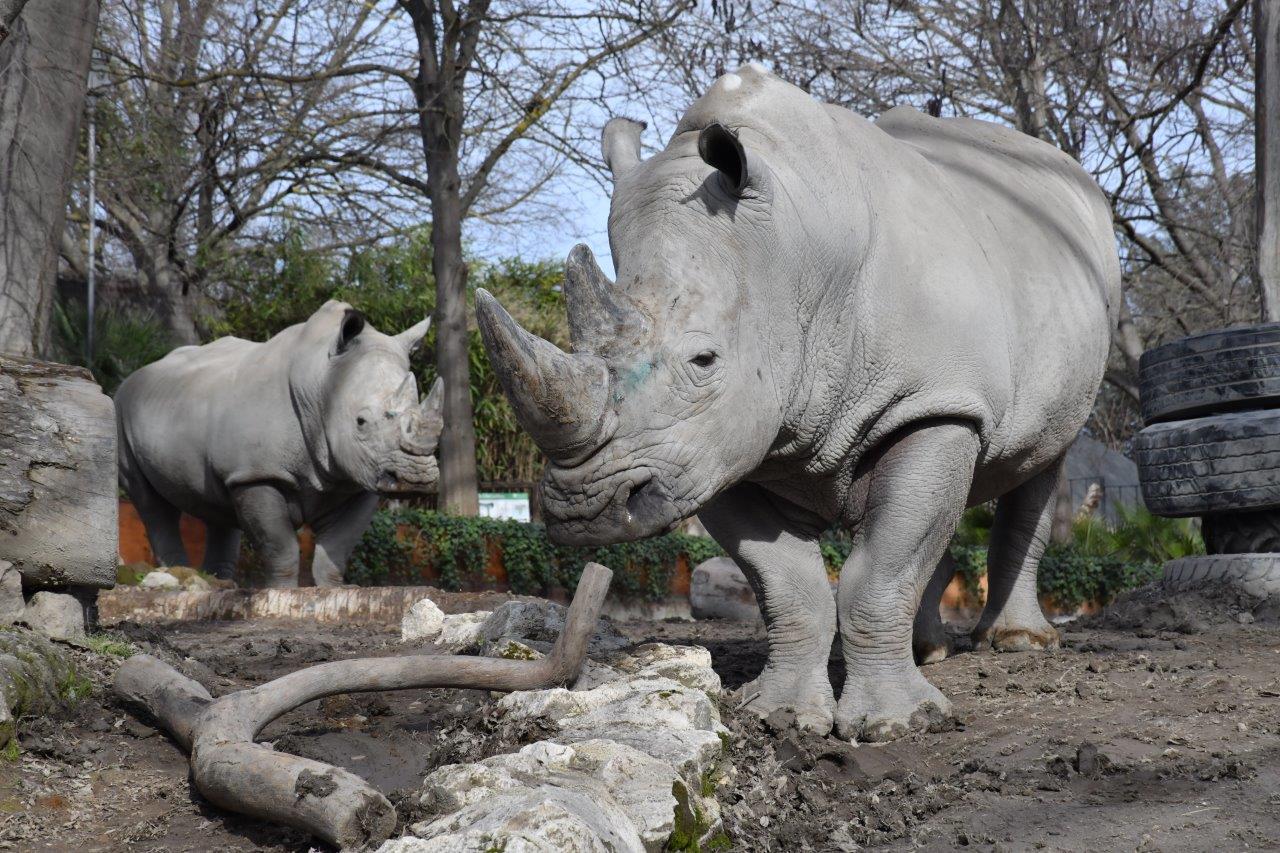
pixel 360 421
pixel 704 359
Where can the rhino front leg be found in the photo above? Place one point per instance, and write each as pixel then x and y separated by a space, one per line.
pixel 779 554
pixel 337 534
pixel 916 486
pixel 1012 619
pixel 265 518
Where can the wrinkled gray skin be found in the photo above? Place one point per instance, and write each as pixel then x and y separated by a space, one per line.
pixel 822 319
pixel 306 428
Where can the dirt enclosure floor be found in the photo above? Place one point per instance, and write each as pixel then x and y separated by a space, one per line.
pixel 1155 727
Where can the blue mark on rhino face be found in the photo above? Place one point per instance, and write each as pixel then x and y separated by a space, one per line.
pixel 630 378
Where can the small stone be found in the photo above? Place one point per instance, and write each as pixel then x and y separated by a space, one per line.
pixel 1242 727
pixel 160 580
pixel 195 583
pixel 423 621
pixel 459 630
pixel 58 616
pixel 1089 762
pixel 11 602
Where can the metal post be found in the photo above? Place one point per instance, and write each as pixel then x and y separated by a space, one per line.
pixel 93 204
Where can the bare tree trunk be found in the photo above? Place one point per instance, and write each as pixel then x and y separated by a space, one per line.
pixel 44 71
pixel 1267 114
pixel 458 479
pixel 58 493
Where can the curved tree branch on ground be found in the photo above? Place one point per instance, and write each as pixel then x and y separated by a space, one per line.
pixel 236 773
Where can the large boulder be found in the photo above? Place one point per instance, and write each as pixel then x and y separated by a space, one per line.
pixel 719 590
pixel 542 621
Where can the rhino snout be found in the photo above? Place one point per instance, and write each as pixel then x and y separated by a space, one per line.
pixel 631 505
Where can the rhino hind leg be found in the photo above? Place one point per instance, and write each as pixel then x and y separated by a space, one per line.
pixel 916 486
pixel 221 551
pixel 781 559
pixel 337 534
pixel 264 516
pixel 929 637
pixel 1012 619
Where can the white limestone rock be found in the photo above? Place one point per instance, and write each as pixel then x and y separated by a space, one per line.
pixel 689 665
pixel 55 615
pixel 546 818
pixel 641 700
pixel 422 622
pixel 160 579
pixel 459 630
pixel 692 752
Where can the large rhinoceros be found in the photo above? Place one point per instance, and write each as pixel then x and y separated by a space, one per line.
pixel 823 319
pixel 306 428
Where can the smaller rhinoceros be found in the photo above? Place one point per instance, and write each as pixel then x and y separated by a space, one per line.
pixel 306 428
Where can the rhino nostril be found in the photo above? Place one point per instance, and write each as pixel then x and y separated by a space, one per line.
pixel 642 499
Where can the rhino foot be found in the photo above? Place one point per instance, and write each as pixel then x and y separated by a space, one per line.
pixel 808 697
pixel 928 651
pixel 890 706
pixel 1010 639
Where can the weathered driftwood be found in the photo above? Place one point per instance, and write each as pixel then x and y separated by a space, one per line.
pixel 58 504
pixel 339 807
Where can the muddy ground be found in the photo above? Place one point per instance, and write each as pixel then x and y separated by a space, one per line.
pixel 1155 727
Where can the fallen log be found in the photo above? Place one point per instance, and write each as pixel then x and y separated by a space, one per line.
pixel 233 772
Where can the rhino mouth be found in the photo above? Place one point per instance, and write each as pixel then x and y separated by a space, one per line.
pixel 410 475
pixel 621 507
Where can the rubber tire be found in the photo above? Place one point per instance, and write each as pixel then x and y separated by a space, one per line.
pixel 1255 574
pixel 1222 463
pixel 1221 371
pixel 1241 532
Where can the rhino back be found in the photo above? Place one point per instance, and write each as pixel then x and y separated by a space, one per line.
pixel 204 418
pixel 1045 229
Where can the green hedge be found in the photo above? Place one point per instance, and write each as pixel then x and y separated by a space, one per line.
pixel 1068 573
pixel 458 548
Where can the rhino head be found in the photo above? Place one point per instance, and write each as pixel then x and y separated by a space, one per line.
pixel 360 404
pixel 668 394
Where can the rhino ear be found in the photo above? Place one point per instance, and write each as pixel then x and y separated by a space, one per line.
pixel 411 338
pixel 620 145
pixel 720 148
pixel 349 329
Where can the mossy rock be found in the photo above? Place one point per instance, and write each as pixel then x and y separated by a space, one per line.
pixel 35 677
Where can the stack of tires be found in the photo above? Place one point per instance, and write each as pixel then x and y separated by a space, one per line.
pixel 1211 447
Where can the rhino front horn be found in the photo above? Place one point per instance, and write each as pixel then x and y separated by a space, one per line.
pixel 598 313
pixel 558 398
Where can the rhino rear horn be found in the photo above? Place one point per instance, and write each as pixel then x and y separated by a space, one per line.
pixel 558 398
pixel 598 312
pixel 411 338
pixel 433 405
pixel 620 145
